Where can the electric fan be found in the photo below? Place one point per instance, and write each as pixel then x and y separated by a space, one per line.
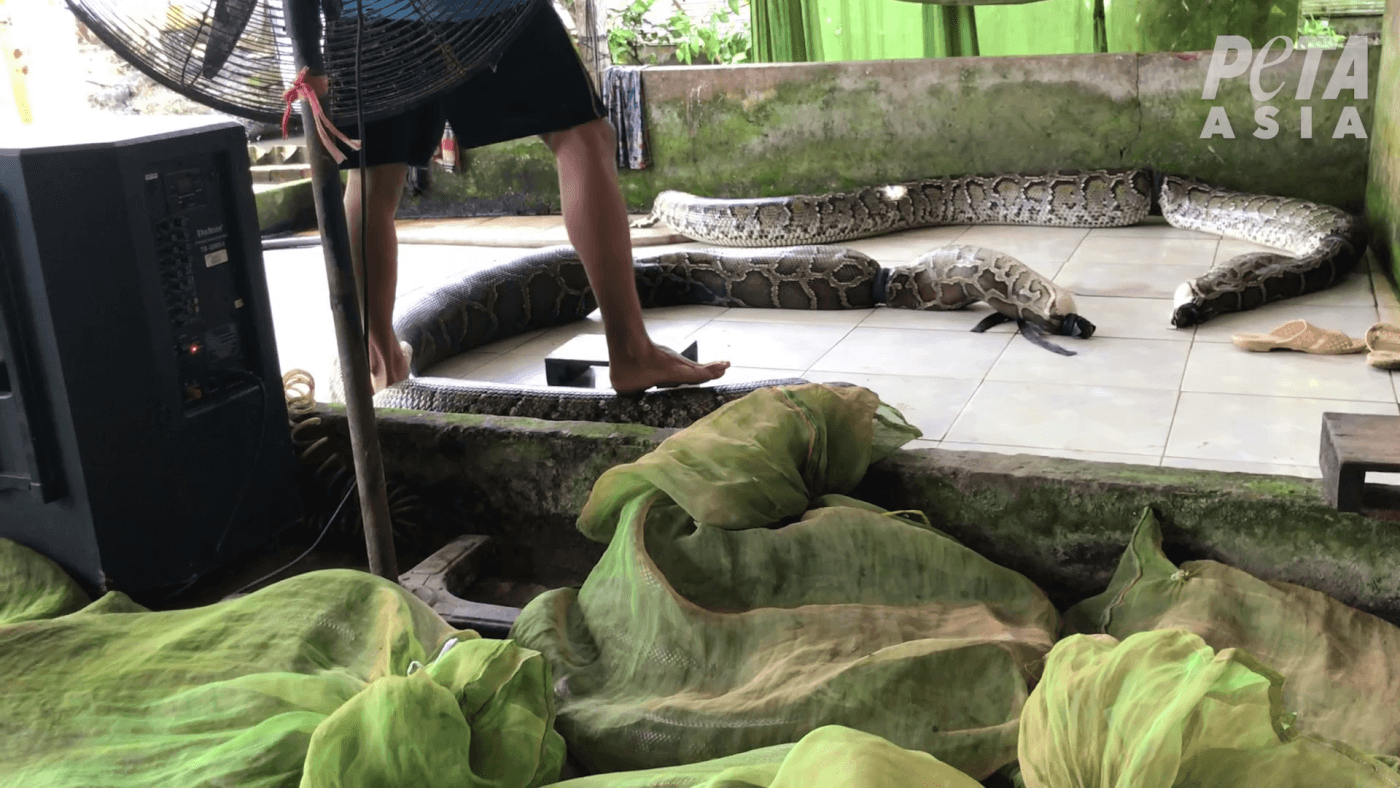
pixel 381 57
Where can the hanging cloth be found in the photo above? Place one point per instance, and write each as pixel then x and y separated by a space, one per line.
pixel 622 91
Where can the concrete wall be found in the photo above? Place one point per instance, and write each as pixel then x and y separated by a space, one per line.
pixel 1063 523
pixel 1383 191
pixel 774 129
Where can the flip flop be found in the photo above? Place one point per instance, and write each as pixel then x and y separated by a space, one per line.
pixel 1300 335
pixel 1383 340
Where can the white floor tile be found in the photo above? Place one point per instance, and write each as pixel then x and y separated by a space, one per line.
pixel 1067 416
pixel 1037 247
pixel 1233 247
pixel 904 247
pixel 461 366
pixel 691 312
pixel 1153 227
pixel 1241 466
pixel 427 266
pixel 641 253
pixel 773 345
pixel 945 354
pixel 1124 281
pixel 1131 318
pixel 1098 361
pixel 1350 320
pixel 1240 411
pixel 931 404
pixel 849 318
pixel 510 344
pixel 1149 460
pixel 518 368
pixel 1272 430
pixel 957 320
pixel 1197 253
pixel 1225 369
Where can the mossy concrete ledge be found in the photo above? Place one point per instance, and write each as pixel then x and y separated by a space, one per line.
pixel 775 129
pixel 1063 523
pixel 1383 191
pixel 286 207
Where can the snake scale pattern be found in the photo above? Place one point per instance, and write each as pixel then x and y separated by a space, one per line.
pixel 1320 246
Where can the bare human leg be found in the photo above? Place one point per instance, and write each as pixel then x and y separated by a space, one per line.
pixel 595 217
pixel 380 263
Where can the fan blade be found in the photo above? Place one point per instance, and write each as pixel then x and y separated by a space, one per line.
pixel 230 18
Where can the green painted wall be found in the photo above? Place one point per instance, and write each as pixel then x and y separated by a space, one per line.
pixel 1383 191
pixel 1047 27
pixel 1192 25
pixel 776 129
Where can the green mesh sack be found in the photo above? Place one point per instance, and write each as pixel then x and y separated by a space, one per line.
pixel 1343 665
pixel 32 587
pixel 829 757
pixel 304 683
pixel 1162 709
pixel 744 601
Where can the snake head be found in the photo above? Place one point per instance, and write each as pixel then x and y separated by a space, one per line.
pixel 1072 325
pixel 1186 315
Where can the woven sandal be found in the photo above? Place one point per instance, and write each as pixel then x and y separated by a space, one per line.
pixel 1383 340
pixel 1301 335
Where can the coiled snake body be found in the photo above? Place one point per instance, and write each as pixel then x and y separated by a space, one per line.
pixel 549 287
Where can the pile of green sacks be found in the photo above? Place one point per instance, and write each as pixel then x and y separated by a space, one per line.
pixel 750 625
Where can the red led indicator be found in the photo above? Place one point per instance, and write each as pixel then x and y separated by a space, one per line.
pixel 194 348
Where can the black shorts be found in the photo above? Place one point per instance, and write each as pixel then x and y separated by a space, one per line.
pixel 538 86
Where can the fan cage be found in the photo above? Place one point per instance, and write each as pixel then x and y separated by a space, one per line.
pixel 236 56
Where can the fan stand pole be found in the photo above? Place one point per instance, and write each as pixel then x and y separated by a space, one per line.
pixel 354 361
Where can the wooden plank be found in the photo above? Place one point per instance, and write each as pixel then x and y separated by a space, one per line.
pixel 1326 8
pixel 1352 445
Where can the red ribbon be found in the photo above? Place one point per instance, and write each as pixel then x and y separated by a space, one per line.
pixel 324 128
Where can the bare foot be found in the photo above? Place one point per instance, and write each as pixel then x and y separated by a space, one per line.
pixel 660 367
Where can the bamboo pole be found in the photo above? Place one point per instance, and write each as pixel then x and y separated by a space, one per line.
pixel 354 360
pixel 350 340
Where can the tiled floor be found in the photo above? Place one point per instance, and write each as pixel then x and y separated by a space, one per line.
pixel 1138 392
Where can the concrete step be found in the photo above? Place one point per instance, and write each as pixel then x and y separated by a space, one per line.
pixel 280 173
pixel 277 151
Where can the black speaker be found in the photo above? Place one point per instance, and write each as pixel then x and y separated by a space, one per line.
pixel 143 426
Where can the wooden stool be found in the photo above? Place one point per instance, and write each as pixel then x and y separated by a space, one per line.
pixel 1352 444
pixel 571 364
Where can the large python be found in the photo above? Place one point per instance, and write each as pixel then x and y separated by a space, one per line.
pixel 1323 243
pixel 549 287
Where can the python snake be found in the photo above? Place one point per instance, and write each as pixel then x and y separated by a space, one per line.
pixel 550 287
